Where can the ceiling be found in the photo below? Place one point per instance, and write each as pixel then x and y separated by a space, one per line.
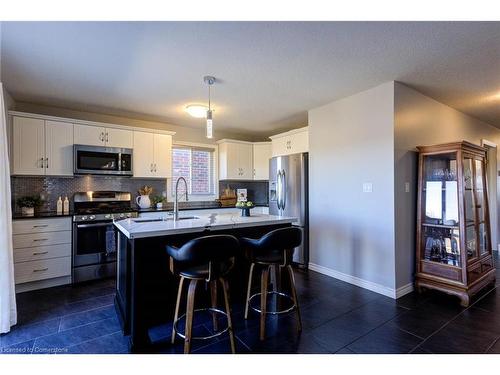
pixel 269 73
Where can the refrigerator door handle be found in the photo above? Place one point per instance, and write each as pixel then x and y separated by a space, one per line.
pixel 278 190
pixel 283 187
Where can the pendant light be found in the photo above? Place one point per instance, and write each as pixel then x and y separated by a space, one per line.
pixel 209 80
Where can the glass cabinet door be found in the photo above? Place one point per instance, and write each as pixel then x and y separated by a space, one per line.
pixel 470 209
pixel 481 205
pixel 440 214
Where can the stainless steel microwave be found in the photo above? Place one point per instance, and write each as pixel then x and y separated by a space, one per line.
pixel 102 160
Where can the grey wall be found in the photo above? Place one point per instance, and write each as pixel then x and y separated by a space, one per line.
pixel 351 141
pixel 420 121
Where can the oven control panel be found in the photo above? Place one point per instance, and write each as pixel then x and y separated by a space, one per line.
pixel 100 217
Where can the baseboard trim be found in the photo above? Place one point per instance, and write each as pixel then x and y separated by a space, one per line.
pixel 405 289
pixel 370 285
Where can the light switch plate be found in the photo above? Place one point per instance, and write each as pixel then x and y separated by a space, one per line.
pixel 367 187
pixel 407 187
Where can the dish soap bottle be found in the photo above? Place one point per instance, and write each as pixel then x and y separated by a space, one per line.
pixel 66 205
pixel 59 206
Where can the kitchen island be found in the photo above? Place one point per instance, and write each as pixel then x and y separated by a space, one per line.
pixel 146 289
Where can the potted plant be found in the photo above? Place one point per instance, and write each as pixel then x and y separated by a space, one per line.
pixel 157 201
pixel 28 204
pixel 245 207
pixel 143 200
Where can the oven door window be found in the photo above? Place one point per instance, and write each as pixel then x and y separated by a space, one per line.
pixel 95 238
pixel 97 161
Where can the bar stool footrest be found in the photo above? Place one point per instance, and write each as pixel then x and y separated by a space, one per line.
pixel 212 310
pixel 276 312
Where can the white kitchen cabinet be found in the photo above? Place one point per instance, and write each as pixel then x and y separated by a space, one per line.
pixel 58 148
pixel 292 142
pixel 103 136
pixel 152 155
pixel 119 138
pixel 162 155
pixel 42 252
pixel 235 160
pixel 261 155
pixel 42 147
pixel 28 146
pixel 90 135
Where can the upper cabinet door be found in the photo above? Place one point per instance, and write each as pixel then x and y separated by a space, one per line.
pixel 162 155
pixel 58 148
pixel 143 155
pixel 89 135
pixel 261 156
pixel 28 146
pixel 119 138
pixel 231 162
pixel 245 161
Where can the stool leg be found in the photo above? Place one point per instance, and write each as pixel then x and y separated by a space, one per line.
pixel 189 315
pixel 294 296
pixel 277 288
pixel 249 288
pixel 177 304
pixel 213 297
pixel 263 302
pixel 225 288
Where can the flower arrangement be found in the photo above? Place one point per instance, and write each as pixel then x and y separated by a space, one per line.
pixel 29 203
pixel 157 201
pixel 145 190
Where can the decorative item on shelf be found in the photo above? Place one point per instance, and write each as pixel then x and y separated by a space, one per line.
pixel 28 204
pixel 157 201
pixel 242 195
pixel 59 206
pixel 245 207
pixel 228 197
pixel 143 200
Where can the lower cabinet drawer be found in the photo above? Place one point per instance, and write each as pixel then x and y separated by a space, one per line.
pixel 42 252
pixel 41 239
pixel 42 269
pixel 25 226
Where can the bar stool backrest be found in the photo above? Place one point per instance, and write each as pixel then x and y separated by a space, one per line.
pixel 218 251
pixel 278 240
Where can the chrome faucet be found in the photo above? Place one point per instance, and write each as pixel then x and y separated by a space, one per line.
pixel 176 201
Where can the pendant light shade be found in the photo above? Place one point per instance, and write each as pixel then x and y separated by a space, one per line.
pixel 209 124
pixel 209 80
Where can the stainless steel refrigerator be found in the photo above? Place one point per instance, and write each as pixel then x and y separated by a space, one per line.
pixel 288 196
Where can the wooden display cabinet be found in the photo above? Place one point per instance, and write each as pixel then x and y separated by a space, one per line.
pixel 453 226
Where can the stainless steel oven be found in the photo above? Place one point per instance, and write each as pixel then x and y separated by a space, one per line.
pixel 102 160
pixel 94 235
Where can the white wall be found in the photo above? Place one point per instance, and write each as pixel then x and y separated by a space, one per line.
pixel 351 141
pixel 421 121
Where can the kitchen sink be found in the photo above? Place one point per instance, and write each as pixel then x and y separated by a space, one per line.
pixel 145 220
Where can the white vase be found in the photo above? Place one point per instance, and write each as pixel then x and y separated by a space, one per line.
pixel 28 211
pixel 143 201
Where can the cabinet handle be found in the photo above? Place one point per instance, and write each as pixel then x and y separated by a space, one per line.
pixel 40 270
pixel 47 163
pixel 41 162
pixel 40 252
pixel 40 226
pixel 40 239
pixel 101 137
pixel 107 137
pixel 151 167
pixel 155 167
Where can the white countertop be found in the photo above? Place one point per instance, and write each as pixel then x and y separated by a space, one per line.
pixel 147 227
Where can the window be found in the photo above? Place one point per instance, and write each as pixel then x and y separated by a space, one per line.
pixel 197 166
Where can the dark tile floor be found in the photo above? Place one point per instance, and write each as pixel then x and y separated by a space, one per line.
pixel 337 318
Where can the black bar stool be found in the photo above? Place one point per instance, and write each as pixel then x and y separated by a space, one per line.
pixel 273 250
pixel 208 259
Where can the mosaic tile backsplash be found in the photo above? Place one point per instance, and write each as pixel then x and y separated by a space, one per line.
pixel 50 188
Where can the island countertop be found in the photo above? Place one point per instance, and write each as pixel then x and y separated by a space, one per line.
pixel 144 227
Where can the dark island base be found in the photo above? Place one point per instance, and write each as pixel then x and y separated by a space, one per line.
pixel 146 290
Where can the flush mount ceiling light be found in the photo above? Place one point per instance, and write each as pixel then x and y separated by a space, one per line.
pixel 197 110
pixel 209 80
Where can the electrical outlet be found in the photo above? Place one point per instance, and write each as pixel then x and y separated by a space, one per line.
pixel 367 187
pixel 407 187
